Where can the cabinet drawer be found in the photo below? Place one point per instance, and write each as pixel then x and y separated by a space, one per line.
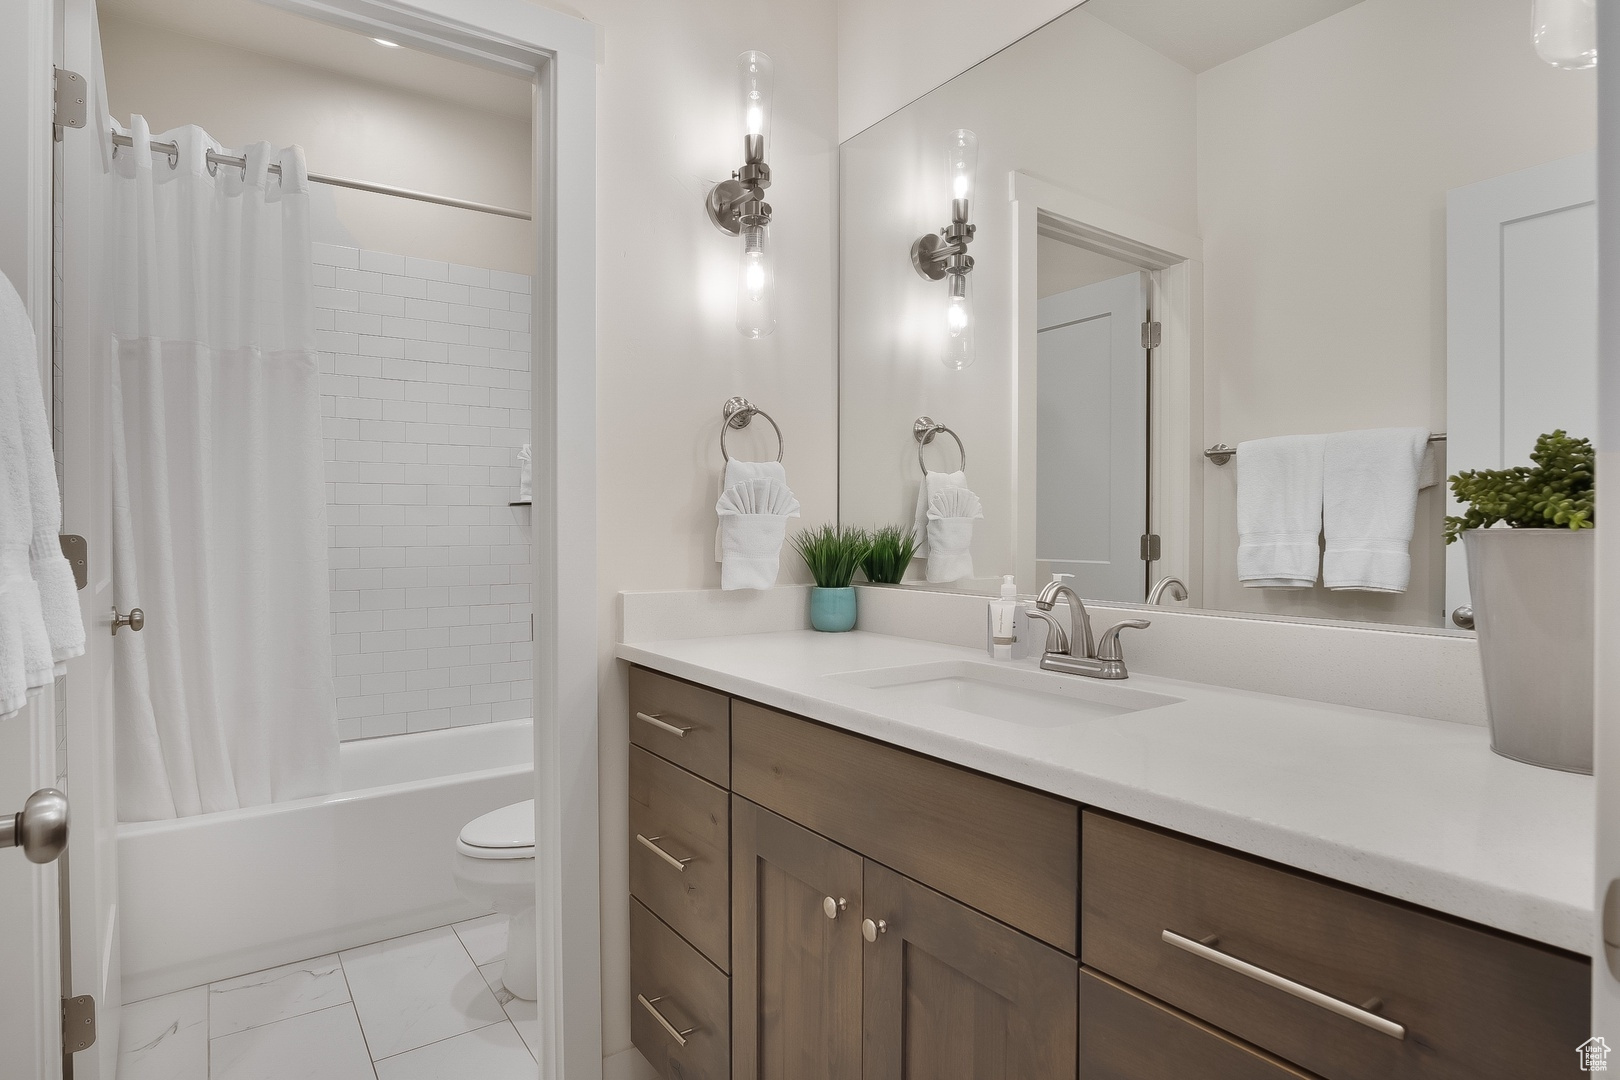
pixel 682 723
pixel 680 1006
pixel 1245 945
pixel 1125 1035
pixel 680 852
pixel 1011 853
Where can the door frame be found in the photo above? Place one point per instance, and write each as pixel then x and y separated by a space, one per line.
pixel 27 49
pixel 1176 367
pixel 557 53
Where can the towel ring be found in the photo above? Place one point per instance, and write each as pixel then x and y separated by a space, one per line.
pixel 924 431
pixel 736 413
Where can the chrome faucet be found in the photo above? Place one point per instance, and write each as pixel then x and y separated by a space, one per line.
pixel 1100 658
pixel 1173 585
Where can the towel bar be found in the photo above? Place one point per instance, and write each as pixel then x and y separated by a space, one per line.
pixel 1220 453
pixel 924 431
pixel 736 413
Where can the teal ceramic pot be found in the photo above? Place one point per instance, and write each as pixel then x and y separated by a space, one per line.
pixel 832 610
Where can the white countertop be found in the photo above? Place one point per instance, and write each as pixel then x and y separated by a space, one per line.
pixel 1417 809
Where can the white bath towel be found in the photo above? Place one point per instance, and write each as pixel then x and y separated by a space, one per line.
pixel 40 627
pixel 753 524
pixel 737 471
pixel 1279 511
pixel 932 484
pixel 526 473
pixel 951 514
pixel 1369 505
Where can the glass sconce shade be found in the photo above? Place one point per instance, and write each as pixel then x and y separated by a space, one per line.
pixel 1566 32
pixel 958 352
pixel 755 81
pixel 962 162
pixel 756 284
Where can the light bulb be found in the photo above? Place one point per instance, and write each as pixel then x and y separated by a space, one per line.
pixel 756 284
pixel 958 352
pixel 755 79
pixel 963 160
pixel 1566 32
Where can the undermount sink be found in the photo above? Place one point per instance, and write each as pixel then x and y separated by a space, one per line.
pixel 1015 695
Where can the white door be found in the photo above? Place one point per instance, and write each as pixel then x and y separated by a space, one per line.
pixel 1091 437
pixel 86 497
pixel 30 957
pixel 1521 321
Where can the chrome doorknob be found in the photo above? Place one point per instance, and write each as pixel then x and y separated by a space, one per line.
pixel 832 907
pixel 134 620
pixel 1464 617
pixel 870 930
pixel 41 830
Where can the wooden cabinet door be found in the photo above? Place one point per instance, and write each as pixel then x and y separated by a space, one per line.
pixel 954 995
pixel 796 958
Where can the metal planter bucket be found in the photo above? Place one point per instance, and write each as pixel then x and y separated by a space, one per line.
pixel 1533 609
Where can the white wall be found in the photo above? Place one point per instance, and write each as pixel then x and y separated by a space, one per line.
pixel 347 127
pixel 891 52
pixel 1072 102
pixel 668 353
pixel 1323 163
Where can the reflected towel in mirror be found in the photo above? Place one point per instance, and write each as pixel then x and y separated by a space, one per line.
pixel 1370 482
pixel 753 525
pixel 951 514
pixel 1279 511
pixel 932 484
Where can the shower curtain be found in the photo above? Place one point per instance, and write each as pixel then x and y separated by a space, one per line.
pixel 225 698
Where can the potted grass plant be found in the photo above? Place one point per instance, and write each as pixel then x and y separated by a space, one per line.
pixel 1531 552
pixel 833 555
pixel 889 553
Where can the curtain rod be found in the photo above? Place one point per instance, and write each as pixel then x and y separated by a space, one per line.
pixel 173 151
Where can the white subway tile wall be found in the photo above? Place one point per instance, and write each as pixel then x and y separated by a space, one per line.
pixel 425 404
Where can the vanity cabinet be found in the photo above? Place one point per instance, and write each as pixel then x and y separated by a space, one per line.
pixel 814 904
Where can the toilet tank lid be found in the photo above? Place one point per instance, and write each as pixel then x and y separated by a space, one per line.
pixel 509 827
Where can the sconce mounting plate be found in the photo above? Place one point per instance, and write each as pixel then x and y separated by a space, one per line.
pixel 925 257
pixel 722 205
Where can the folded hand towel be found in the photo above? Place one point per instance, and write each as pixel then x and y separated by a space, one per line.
pixel 951 514
pixel 526 473
pixel 932 484
pixel 1279 511
pixel 753 524
pixel 746 470
pixel 1369 505
pixel 39 606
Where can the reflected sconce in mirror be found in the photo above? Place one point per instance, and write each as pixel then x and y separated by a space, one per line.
pixel 1566 32
pixel 738 207
pixel 944 254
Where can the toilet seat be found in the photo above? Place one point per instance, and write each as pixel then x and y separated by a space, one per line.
pixel 507 833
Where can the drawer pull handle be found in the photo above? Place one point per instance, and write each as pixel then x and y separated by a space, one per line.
pixel 678 1035
pixel 1287 986
pixel 648 843
pixel 663 725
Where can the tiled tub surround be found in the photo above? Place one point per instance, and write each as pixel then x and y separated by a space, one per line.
pixel 425 399
pixel 428 1005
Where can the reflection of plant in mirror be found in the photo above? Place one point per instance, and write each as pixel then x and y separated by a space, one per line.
pixel 1556 493
pixel 832 554
pixel 891 551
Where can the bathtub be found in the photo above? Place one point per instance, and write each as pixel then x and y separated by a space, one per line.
pixel 204 898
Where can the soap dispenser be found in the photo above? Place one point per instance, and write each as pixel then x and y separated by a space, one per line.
pixel 1002 629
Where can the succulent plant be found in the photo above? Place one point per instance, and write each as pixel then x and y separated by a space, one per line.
pixel 1553 493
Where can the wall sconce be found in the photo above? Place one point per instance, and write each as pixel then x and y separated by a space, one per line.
pixel 944 254
pixel 1566 32
pixel 738 207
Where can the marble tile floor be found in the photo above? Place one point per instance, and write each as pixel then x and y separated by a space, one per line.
pixel 427 1006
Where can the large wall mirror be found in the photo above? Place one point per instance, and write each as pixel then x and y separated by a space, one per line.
pixel 1196 223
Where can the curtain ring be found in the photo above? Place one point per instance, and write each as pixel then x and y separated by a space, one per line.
pixel 213 166
pixel 174 158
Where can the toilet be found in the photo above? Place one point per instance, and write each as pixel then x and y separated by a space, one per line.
pixel 495 867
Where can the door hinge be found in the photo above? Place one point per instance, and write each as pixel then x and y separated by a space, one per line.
pixel 1150 547
pixel 1152 332
pixel 78 1023
pixel 75 551
pixel 72 98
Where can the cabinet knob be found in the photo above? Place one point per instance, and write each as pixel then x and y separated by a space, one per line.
pixel 870 930
pixel 833 907
pixel 135 620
